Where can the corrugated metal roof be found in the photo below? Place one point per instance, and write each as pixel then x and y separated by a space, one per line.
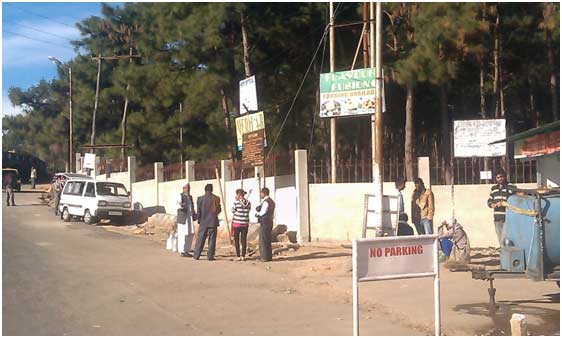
pixel 531 132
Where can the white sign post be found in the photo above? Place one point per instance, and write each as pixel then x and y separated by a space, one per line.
pixel 248 95
pixel 89 161
pixel 396 258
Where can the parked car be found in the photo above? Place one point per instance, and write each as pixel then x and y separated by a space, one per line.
pixel 94 201
pixel 16 177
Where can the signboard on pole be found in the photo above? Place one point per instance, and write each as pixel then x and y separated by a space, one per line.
pixel 348 93
pixel 252 151
pixel 472 138
pixel 395 258
pixel 89 161
pixel 247 124
pixel 372 218
pixel 248 95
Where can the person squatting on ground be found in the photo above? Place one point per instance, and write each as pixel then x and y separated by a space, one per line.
pixel 185 219
pixel 240 222
pixel 453 231
pixel 426 203
pixel 265 216
pixel 59 186
pixel 208 208
pixel 33 177
pixel 10 183
pixel 498 195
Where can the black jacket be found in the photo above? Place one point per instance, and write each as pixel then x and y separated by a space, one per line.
pixel 187 209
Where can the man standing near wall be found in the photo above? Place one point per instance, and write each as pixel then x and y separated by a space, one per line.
pixel 265 216
pixel 186 216
pixel 426 203
pixel 208 208
pixel 498 196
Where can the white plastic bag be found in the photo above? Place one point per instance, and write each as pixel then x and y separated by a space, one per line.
pixel 174 244
pixel 169 242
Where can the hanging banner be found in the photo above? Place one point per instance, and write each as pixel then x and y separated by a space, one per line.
pixel 472 138
pixel 252 152
pixel 247 124
pixel 248 95
pixel 348 93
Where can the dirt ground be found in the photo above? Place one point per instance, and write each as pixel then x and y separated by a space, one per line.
pixel 325 269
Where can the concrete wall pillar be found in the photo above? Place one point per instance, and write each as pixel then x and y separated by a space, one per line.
pixel 108 168
pixel 226 174
pixel 190 171
pixel 424 170
pixel 132 165
pixel 78 163
pixel 94 173
pixel 301 186
pixel 158 178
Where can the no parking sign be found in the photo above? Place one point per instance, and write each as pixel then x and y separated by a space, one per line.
pixel 395 258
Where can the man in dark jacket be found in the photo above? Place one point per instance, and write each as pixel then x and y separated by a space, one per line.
pixel 208 208
pixel 265 216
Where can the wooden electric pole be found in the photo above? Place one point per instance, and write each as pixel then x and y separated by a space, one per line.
pixel 93 136
pixel 333 150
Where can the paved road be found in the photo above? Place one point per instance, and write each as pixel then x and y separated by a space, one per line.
pixel 74 279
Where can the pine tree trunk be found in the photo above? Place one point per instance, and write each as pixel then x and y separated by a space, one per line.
pixel 482 87
pixel 497 84
pixel 445 134
pixel 409 133
pixel 553 81
pixel 532 107
pixel 245 49
pixel 93 136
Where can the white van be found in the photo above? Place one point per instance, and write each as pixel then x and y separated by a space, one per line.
pixel 93 201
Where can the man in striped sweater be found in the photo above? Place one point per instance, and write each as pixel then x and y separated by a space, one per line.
pixel 499 194
pixel 240 221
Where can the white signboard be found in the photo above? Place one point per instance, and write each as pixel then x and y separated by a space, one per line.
pixel 389 215
pixel 248 95
pixel 395 258
pixel 89 161
pixel 248 124
pixel 472 138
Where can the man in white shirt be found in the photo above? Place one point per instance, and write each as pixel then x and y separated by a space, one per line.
pixel 265 213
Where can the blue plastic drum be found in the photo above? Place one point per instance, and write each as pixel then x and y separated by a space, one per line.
pixel 446 246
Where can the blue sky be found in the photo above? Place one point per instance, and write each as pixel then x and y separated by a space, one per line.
pixel 33 31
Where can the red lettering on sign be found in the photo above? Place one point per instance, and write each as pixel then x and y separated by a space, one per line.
pixel 396 251
pixel 420 249
pixel 372 252
pixel 386 251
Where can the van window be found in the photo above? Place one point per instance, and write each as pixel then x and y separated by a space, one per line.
pixel 74 188
pixel 90 191
pixel 111 189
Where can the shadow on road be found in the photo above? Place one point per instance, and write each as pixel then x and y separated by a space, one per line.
pixel 313 255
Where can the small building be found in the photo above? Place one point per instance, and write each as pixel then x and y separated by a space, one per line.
pixel 543 145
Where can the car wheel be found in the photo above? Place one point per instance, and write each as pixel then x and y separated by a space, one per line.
pixel 66 215
pixel 88 218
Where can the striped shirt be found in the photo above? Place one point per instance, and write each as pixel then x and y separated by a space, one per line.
pixel 500 194
pixel 241 211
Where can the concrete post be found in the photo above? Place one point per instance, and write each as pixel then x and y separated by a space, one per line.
pixel 301 186
pixel 96 171
pixel 226 174
pixel 108 168
pixel 190 171
pixel 78 163
pixel 518 323
pixel 423 170
pixel 132 165
pixel 158 177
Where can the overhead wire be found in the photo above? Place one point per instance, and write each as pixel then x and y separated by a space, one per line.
pixel 41 31
pixel 36 14
pixel 38 40
pixel 326 29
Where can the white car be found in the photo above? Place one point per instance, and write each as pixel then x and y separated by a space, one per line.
pixel 93 201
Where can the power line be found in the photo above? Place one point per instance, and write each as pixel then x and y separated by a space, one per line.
pixel 39 15
pixel 42 31
pixel 38 40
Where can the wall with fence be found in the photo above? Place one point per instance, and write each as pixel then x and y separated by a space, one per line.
pixel 119 177
pixel 336 210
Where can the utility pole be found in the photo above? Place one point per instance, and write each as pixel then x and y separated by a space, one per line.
pixel 93 136
pixel 376 120
pixel 333 150
pixel 181 138
pixel 124 119
pixel 70 120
